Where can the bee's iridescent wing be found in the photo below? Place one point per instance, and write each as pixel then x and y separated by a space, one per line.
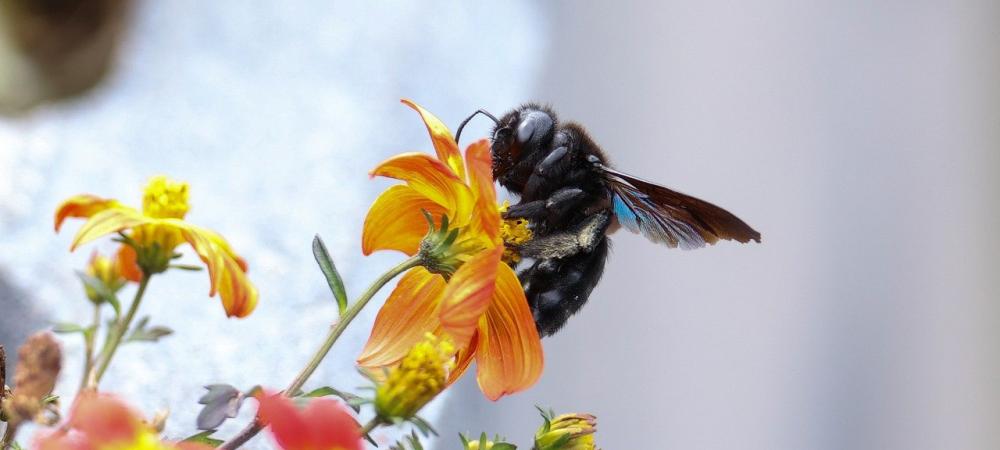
pixel 669 217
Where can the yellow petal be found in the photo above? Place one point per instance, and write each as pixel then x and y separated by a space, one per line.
pixel 410 311
pixel 433 179
pixel 394 221
pixel 226 270
pixel 510 357
pixel 108 221
pixel 82 206
pixel 444 143
pixel 480 164
pixel 468 294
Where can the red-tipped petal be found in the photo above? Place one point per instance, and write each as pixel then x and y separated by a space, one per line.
pixel 84 205
pixel 106 222
pixel 225 270
pixel 480 163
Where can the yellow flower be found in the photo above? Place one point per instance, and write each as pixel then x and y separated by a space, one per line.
pixel 157 230
pixel 566 432
pixel 463 290
pixel 419 377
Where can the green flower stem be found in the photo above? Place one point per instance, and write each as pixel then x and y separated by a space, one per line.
pixel 88 341
pixel 251 430
pixel 115 336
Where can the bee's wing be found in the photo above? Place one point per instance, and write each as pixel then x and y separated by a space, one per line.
pixel 669 217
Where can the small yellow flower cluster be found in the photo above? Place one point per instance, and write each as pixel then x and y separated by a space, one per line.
pixel 165 198
pixel 513 232
pixel 418 378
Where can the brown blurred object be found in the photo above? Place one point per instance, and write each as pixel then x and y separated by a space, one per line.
pixel 56 49
pixel 39 362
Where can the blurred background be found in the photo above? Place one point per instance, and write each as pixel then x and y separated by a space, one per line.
pixel 862 139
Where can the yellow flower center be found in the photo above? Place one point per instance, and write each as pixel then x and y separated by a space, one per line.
pixel 514 232
pixel 165 198
pixel 419 377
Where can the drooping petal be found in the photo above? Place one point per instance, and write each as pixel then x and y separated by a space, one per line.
pixel 108 221
pixel 226 271
pixel 468 295
pixel 103 418
pixel 395 221
pixel 510 352
pixel 410 311
pixel 478 158
pixel 444 143
pixel 84 205
pixel 433 179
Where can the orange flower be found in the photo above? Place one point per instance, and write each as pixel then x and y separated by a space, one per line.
pixel 322 425
pixel 481 307
pixel 102 422
pixel 156 231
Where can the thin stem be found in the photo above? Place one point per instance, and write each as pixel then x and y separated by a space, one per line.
pixel 115 336
pixel 251 430
pixel 8 436
pixel 88 342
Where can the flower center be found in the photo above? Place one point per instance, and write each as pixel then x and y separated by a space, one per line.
pixel 165 198
pixel 514 232
pixel 419 377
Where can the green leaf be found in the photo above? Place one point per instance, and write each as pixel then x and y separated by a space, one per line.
pixel 330 272
pixel 142 334
pixel 349 398
pixel 205 437
pixel 66 328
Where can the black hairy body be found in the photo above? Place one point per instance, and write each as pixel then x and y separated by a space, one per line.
pixel 573 199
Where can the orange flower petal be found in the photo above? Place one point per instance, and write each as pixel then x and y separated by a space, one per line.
pixel 394 221
pixel 85 205
pixel 480 164
pixel 128 267
pixel 444 143
pixel 226 271
pixel 108 221
pixel 287 426
pixel 464 358
pixel 510 357
pixel 433 179
pixel 410 311
pixel 468 295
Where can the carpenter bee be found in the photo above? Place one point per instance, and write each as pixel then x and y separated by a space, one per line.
pixel 573 200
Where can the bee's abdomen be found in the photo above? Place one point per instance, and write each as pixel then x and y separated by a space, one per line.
pixel 557 289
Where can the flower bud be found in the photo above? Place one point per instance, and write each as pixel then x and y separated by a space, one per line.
pixel 566 432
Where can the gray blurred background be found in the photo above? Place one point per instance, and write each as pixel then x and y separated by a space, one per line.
pixel 862 139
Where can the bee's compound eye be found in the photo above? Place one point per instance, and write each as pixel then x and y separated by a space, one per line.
pixel 535 124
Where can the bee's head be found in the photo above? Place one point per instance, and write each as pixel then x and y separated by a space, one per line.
pixel 518 135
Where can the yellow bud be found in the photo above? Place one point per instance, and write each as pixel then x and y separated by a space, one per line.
pixel 107 271
pixel 567 432
pixel 419 377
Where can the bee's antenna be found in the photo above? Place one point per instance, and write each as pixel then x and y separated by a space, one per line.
pixel 458 135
